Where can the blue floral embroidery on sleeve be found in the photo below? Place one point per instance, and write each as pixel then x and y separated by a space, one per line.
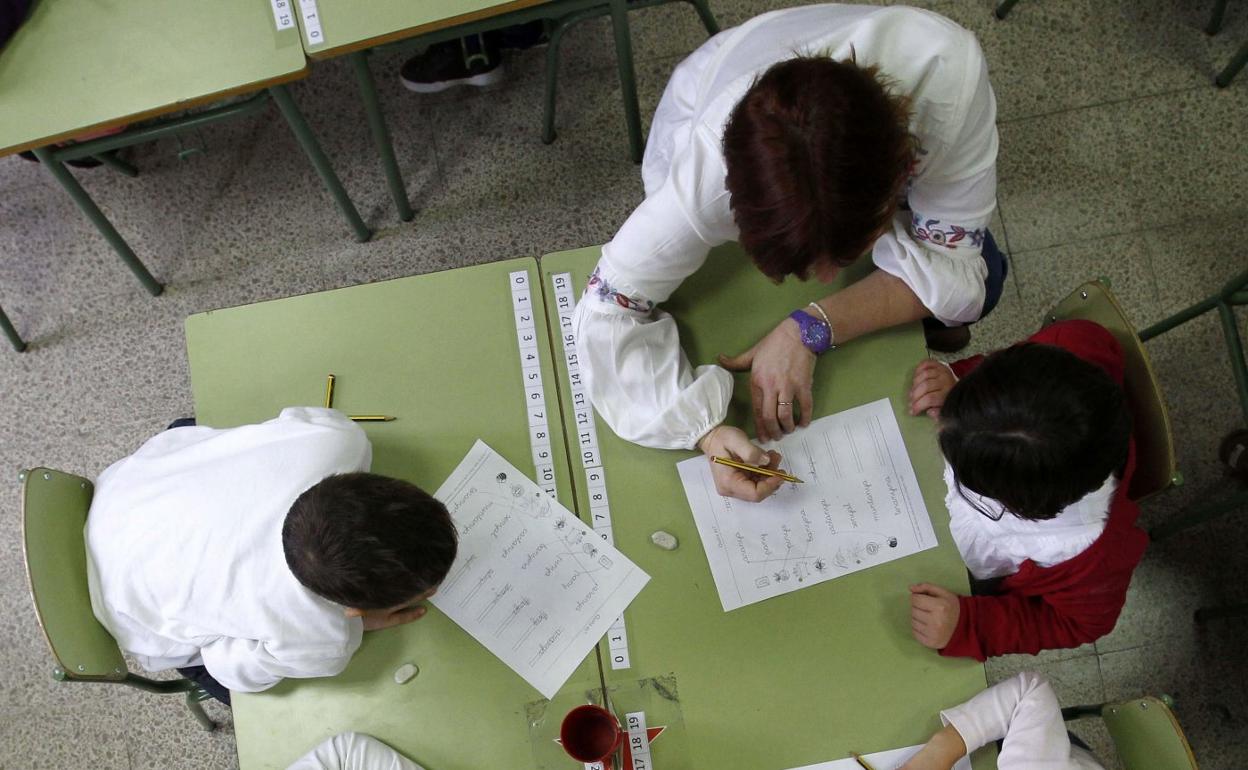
pixel 949 236
pixel 606 293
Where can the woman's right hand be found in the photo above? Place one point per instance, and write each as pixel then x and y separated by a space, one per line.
pixel 732 443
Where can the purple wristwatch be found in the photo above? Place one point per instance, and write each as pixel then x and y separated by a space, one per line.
pixel 816 333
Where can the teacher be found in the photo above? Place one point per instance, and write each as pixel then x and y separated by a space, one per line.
pixel 811 136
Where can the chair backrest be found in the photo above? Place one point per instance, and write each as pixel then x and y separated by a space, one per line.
pixel 1147 736
pixel 1155 467
pixel 54 510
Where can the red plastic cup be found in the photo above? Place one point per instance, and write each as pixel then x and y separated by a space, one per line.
pixel 590 733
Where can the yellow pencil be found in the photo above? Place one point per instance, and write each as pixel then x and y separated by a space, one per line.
pixel 372 417
pixel 858 758
pixel 756 469
pixel 329 392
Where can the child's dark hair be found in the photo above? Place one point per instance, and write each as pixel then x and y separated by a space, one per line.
pixel 1036 428
pixel 368 541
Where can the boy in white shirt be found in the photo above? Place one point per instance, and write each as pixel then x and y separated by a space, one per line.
pixel 259 552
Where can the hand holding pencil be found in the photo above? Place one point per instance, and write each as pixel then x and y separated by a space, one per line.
pixel 731 480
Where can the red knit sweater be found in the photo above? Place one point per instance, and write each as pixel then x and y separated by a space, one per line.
pixel 1078 600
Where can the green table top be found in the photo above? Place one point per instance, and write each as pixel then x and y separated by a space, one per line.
pixel 80 65
pixel 811 675
pixel 351 26
pixel 439 352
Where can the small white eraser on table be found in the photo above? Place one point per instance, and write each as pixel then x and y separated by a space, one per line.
pixel 664 540
pixel 404 673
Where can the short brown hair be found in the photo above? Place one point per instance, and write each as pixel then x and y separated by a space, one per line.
pixel 367 541
pixel 817 152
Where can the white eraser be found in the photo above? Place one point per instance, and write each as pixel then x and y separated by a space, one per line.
pixel 664 540
pixel 404 673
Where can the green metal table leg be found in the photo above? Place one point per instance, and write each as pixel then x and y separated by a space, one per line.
pixel 628 82
pixel 18 343
pixel 307 140
pixel 381 136
pixel 111 160
pixel 67 180
pixel 1236 64
pixel 1003 8
pixel 708 18
pixel 1200 515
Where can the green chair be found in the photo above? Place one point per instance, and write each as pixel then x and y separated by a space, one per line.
pixel 18 344
pixel 54 511
pixel 1155 468
pixel 1221 80
pixel 1145 733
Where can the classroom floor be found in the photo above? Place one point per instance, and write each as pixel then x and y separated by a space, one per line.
pixel 1118 158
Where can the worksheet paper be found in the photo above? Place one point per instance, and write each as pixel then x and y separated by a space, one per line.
pixel 880 760
pixel 860 506
pixel 530 582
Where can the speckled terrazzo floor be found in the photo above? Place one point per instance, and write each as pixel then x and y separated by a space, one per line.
pixel 1118 158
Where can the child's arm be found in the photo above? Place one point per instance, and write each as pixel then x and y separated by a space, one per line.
pixel 353 751
pixel 1024 711
pixel 248 665
pixel 988 626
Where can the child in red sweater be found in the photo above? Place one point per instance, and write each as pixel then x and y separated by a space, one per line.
pixel 1038 450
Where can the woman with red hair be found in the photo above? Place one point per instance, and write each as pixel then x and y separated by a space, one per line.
pixel 812 136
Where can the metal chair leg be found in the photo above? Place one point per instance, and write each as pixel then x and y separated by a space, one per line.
pixel 14 339
pixel 193 698
pixel 381 135
pixel 1212 613
pixel 307 140
pixel 80 197
pixel 1215 19
pixel 1003 8
pixel 554 38
pixel 628 81
pixel 1232 68
pixel 1200 515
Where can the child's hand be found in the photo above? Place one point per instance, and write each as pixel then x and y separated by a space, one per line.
pixel 932 382
pixel 942 752
pixel 933 615
pixel 732 444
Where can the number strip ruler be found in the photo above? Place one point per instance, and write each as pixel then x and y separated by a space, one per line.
pixel 587 443
pixel 534 392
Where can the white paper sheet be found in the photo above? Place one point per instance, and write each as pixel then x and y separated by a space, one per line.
pixel 860 506
pixel 880 760
pixel 531 582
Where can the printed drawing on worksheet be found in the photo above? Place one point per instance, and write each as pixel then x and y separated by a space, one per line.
pixel 859 506
pixel 531 582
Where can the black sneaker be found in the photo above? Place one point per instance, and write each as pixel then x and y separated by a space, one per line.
pixel 466 62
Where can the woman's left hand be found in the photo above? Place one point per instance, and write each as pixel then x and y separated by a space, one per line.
pixel 781 372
